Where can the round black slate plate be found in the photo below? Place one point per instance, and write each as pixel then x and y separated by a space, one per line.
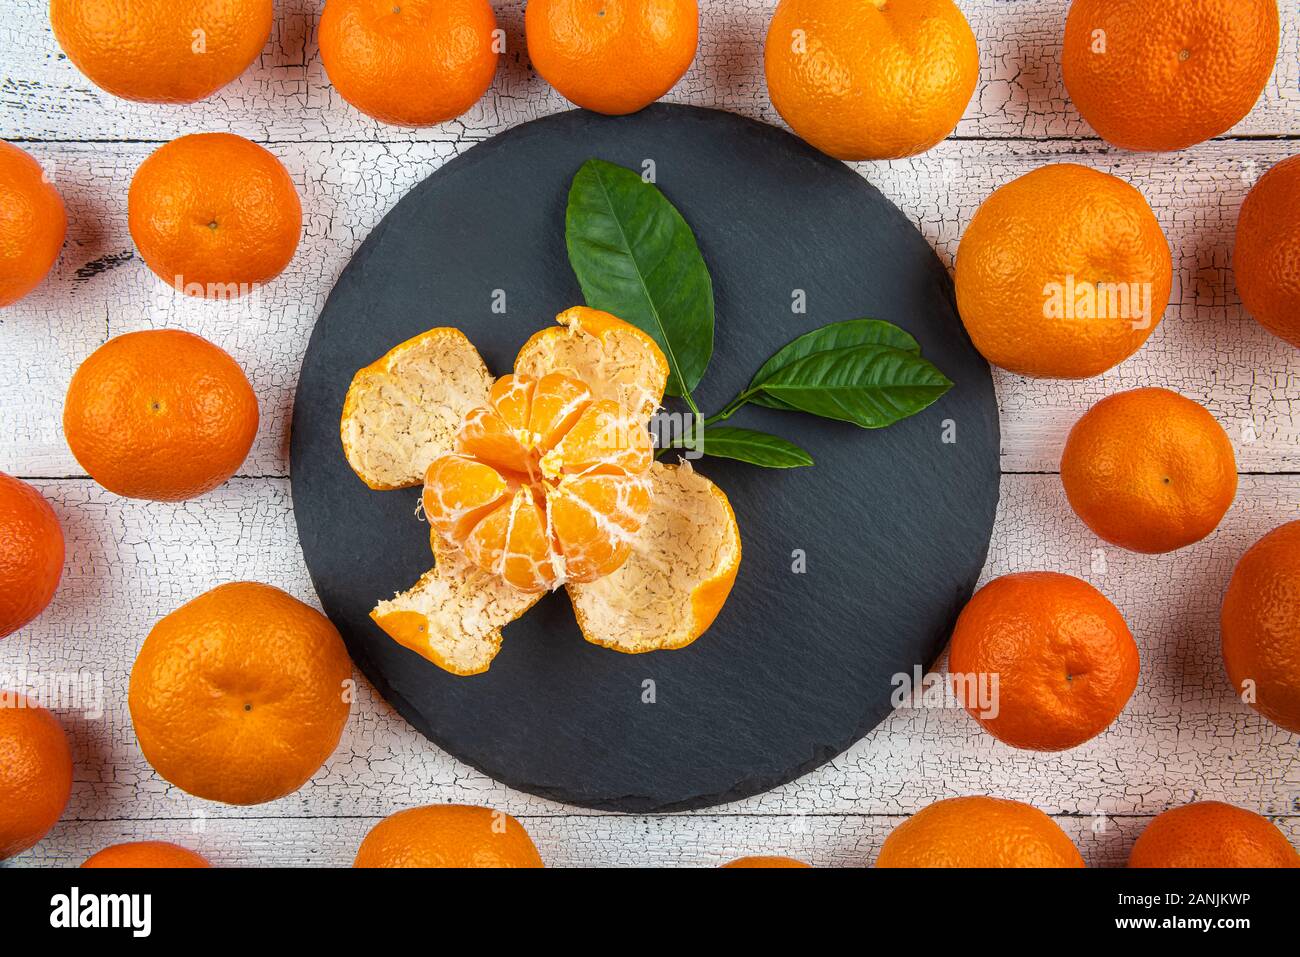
pixel 891 528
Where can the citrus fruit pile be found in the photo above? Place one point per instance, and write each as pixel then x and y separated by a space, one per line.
pixel 540 479
pixel 1065 273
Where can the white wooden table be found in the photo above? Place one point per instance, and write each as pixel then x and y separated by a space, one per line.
pixel 1183 737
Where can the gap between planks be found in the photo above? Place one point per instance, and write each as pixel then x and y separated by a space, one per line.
pixel 1086 140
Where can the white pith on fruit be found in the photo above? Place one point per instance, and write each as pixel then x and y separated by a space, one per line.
pixel 614 365
pixel 690 541
pixel 545 486
pixel 404 411
pixel 464 611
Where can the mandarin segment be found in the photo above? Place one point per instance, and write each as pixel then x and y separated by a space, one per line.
pixel 558 402
pixel 595 520
pixel 605 439
pixel 512 398
pixel 529 562
pixel 511 541
pixel 459 493
pixel 525 417
pixel 521 495
pixel 487 437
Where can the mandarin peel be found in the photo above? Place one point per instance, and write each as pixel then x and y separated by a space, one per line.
pixel 33 224
pixel 618 360
pixel 547 478
pixel 35 775
pixel 613 57
pixel 454 614
pixel 402 411
pixel 448 835
pixel 690 535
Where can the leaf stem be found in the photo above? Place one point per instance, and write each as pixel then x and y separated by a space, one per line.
pixel 731 408
pixel 695 410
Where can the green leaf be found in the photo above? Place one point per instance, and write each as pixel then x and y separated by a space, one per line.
pixel 756 448
pixel 871 386
pixel 635 256
pixel 836 335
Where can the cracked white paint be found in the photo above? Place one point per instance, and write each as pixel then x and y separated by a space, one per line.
pixel 287 96
pixel 1206 347
pixel 1183 737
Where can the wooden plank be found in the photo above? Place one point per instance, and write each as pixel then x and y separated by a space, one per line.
pixel 1206 348
pixel 100 288
pixel 1183 737
pixel 832 840
pixel 286 96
